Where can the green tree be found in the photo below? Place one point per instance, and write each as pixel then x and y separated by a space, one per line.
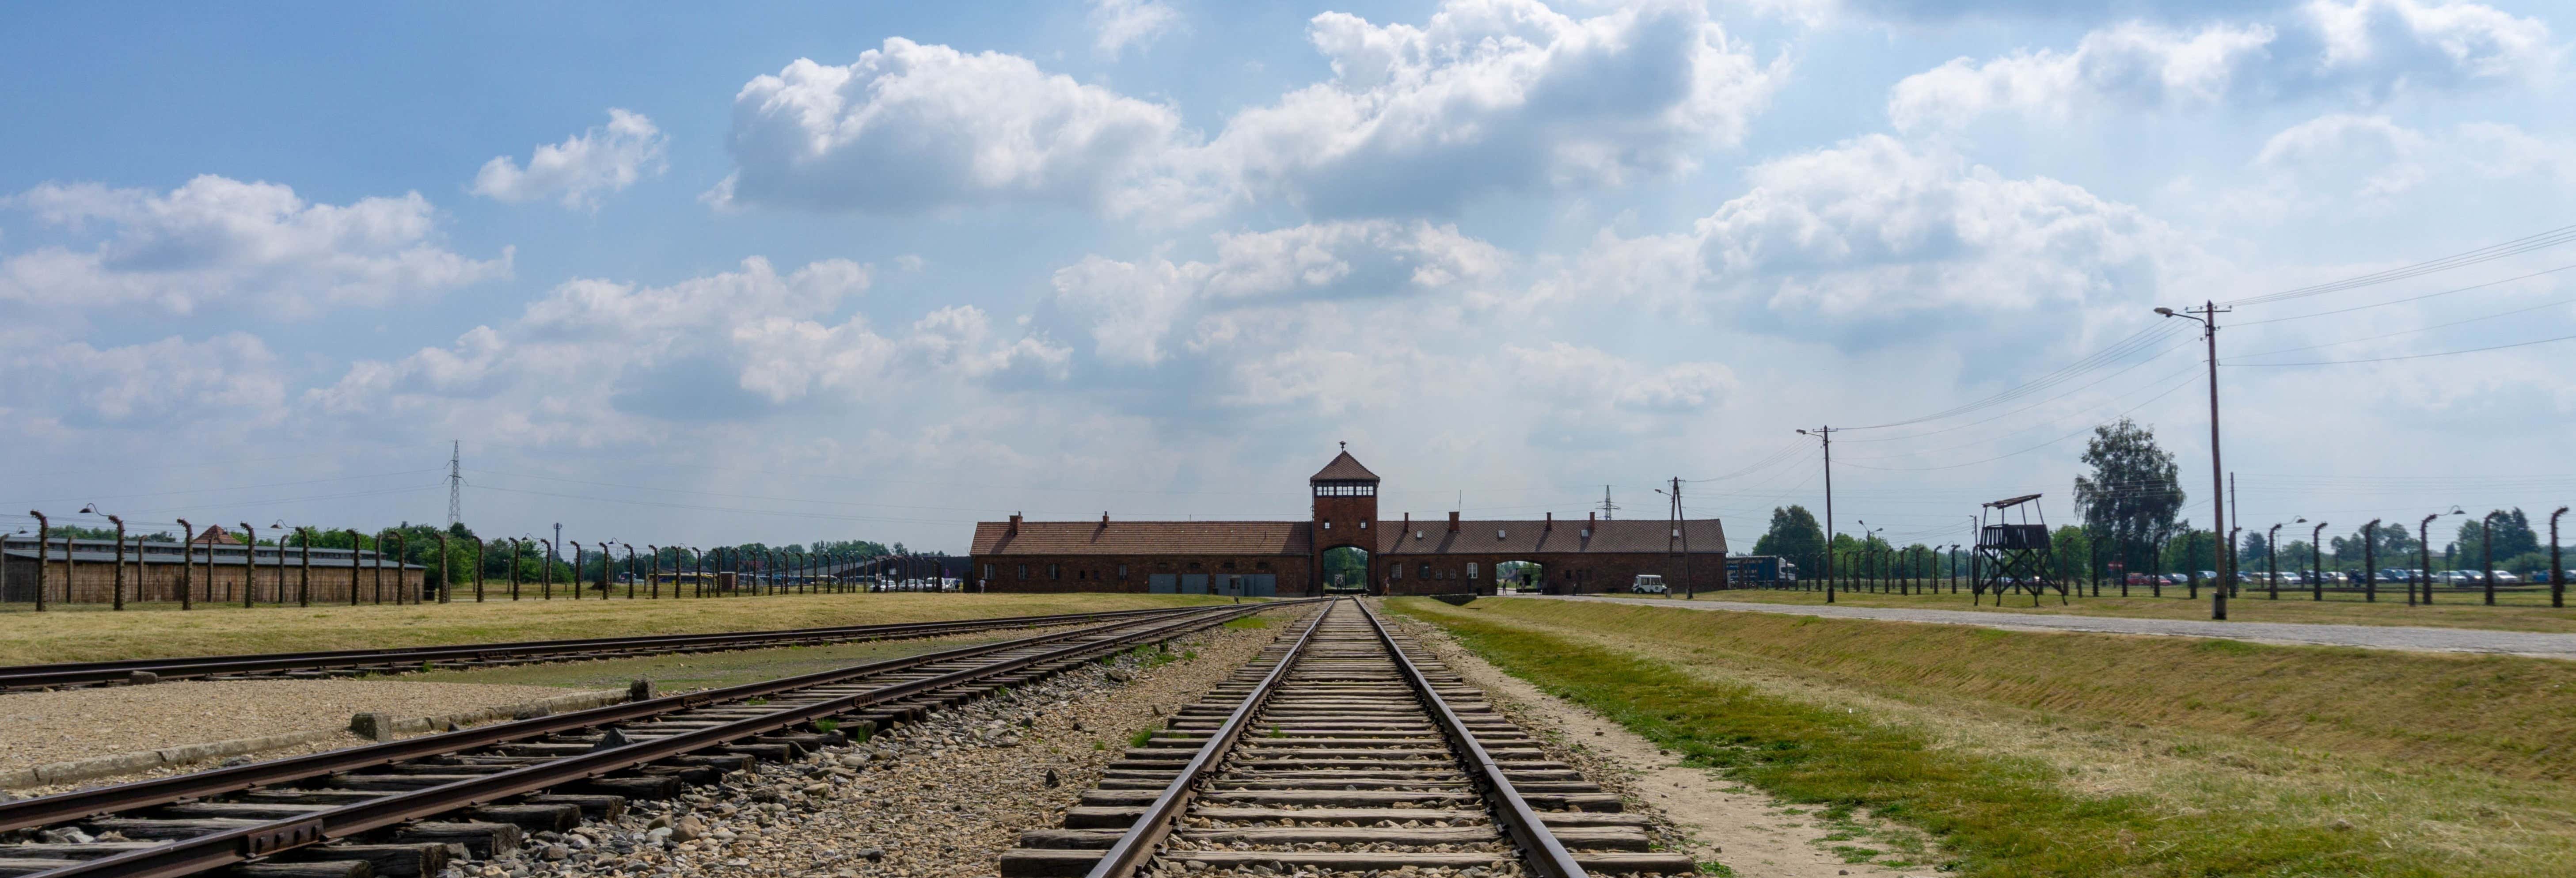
pixel 1794 534
pixel 2513 536
pixel 2134 493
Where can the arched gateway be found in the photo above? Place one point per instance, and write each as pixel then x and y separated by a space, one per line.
pixel 1264 558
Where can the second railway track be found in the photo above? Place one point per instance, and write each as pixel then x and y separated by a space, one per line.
pixel 1343 748
pixel 352 662
pixel 395 808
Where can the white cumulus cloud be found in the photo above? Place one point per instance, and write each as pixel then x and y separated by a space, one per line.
pixel 1130 308
pixel 229 378
pixel 1487 96
pixel 2370 49
pixel 219 241
pixel 912 127
pixel 1119 24
pixel 1498 95
pixel 2131 64
pixel 1874 226
pixel 584 167
pixel 596 358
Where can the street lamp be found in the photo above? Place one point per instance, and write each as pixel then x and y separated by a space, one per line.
pixel 2208 321
pixel 1826 433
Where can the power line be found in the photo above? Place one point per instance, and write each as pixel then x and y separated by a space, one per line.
pixel 2186 382
pixel 2420 298
pixel 2521 344
pixel 2489 253
pixel 2548 304
pixel 2116 351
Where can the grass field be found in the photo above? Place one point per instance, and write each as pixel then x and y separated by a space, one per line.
pixel 2514 612
pixel 2023 753
pixel 94 633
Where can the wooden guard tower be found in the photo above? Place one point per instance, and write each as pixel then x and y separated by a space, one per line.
pixel 2015 556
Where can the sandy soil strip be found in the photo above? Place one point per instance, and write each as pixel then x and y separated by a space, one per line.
pixel 43 727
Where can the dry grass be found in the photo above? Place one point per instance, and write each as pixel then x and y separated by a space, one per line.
pixel 2423 763
pixel 2514 612
pixel 88 634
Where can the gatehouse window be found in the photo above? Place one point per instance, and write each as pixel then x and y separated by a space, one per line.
pixel 988 571
pixel 1122 571
pixel 1328 525
pixel 1471 570
pixel 1395 571
pixel 1055 571
pixel 1426 570
pixel 1024 571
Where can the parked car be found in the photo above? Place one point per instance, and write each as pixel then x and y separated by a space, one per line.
pixel 2505 578
pixel 1648 583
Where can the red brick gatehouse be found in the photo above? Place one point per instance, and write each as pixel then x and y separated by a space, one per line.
pixel 1259 558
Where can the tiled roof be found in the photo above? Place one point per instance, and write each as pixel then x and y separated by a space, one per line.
pixel 1145 538
pixel 1704 536
pixel 1344 468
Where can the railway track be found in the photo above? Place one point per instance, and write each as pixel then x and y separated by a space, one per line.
pixel 1345 748
pixel 345 663
pixel 395 808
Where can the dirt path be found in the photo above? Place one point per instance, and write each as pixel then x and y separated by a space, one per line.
pixel 1754 834
pixel 2559 646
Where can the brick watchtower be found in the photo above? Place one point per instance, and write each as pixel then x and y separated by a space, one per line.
pixel 1345 508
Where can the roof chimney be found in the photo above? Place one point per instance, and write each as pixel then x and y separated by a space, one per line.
pixel 1104 518
pixel 1015 525
pixel 1551 522
pixel 1453 521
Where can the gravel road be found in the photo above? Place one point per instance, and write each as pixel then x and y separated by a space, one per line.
pixel 2559 646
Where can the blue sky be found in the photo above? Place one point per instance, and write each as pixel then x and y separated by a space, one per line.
pixel 785 272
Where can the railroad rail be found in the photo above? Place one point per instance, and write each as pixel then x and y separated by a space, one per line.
pixel 1347 748
pixel 366 811
pixel 350 662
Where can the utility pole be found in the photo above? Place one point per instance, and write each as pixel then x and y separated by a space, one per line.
pixel 2208 319
pixel 455 483
pixel 1607 507
pixel 1679 544
pixel 1827 434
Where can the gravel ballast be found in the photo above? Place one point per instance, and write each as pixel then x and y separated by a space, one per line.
pixel 943 797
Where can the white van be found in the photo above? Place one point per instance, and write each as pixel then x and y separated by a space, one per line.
pixel 1648 583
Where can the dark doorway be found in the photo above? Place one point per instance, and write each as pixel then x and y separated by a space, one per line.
pixel 1346 570
pixel 1520 576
